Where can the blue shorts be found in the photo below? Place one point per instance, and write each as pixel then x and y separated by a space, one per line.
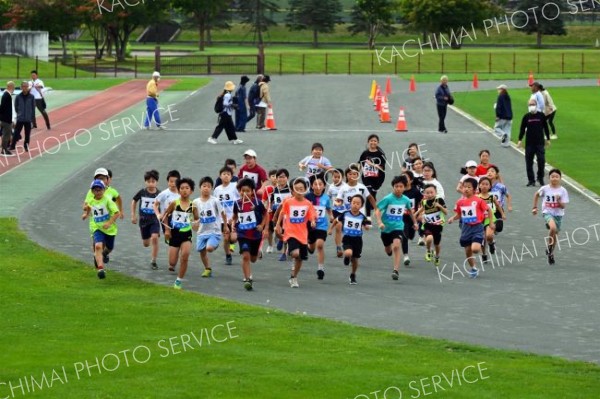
pixel 147 230
pixel 557 220
pixel 208 240
pixel 108 241
pixel 471 233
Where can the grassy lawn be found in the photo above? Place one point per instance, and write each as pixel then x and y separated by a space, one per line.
pixel 576 125
pixel 56 314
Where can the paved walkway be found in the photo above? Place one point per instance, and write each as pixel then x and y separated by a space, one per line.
pixel 521 303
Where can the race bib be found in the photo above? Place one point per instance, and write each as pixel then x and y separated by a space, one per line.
pixel 352 226
pixel 100 213
pixel 395 212
pixel 147 205
pixel 180 220
pixel 250 175
pixel 247 220
pixel 313 170
pixel 433 218
pixel 468 214
pixel 278 199
pixel 551 202
pixel 321 214
pixel 298 214
pixel 207 216
pixel 370 170
pixel 496 195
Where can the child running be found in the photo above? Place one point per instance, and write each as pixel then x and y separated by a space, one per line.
pixel 485 184
pixel 295 214
pixel 337 177
pixel 179 232
pixel 469 172
pixel 148 222
pixel 471 210
pixel 249 218
pixel 103 214
pixel 105 176
pixel 228 194
pixel 433 210
pixel 164 199
pixel 554 200
pixel 315 164
pixel 393 206
pixel 353 222
pixel 500 192
pixel 266 199
pixel 280 192
pixel 318 235
pixel 413 193
pixel 212 220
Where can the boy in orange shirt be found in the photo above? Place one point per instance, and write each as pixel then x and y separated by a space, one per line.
pixel 294 214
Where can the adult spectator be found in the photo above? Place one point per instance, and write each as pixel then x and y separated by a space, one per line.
pixel 264 102
pixel 253 95
pixel 504 115
pixel 241 113
pixel 534 125
pixel 152 112
pixel 8 118
pixel 37 90
pixel 225 120
pixel 252 170
pixel 443 98
pixel 25 108
pixel 536 94
pixel 549 111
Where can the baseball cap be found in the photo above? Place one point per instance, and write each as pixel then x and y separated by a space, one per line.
pixel 101 172
pixel 156 74
pixel 471 164
pixel 250 153
pixel 97 183
pixel 503 87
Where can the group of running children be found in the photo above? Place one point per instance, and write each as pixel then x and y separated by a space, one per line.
pixel 301 213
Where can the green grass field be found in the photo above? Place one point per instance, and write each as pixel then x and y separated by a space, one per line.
pixel 577 124
pixel 57 314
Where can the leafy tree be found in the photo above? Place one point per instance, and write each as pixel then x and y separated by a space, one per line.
pixel 204 15
pixel 542 18
pixel 4 8
pixel 96 25
pixel 373 17
pixel 320 16
pixel 255 14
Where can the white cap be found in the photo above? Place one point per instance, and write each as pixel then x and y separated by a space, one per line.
pixel 101 172
pixel 471 164
pixel 250 153
pixel 502 87
pixel 156 74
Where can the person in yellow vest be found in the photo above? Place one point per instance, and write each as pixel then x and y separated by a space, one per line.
pixel 152 111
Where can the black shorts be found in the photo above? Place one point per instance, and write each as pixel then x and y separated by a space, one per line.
pixel 499 222
pixel 314 235
pixel 434 230
pixel 149 229
pixel 294 244
pixel 353 243
pixel 388 238
pixel 179 237
pixel 335 213
pixel 247 245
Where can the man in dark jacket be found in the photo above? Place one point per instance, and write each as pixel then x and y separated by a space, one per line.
pixel 503 126
pixel 534 124
pixel 7 118
pixel 25 107
pixel 253 95
pixel 443 97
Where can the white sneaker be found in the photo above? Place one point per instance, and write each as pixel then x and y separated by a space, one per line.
pixel 421 242
pixel 161 127
pixel 553 137
pixel 294 282
pixel 269 249
pixel 211 140
pixel 238 141
pixel 406 260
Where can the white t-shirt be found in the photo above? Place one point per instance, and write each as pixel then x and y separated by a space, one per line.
pixel 165 198
pixel 550 200
pixel 209 212
pixel 347 192
pixel 227 195
pixel 333 191
pixel 311 165
pixel 36 93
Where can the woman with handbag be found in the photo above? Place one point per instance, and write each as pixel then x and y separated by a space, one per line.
pixel 443 98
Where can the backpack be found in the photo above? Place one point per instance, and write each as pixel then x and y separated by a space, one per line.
pixel 219 104
pixel 254 94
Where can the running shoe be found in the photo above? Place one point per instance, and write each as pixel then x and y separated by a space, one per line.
pixel 553 137
pixel 484 258
pixel 436 262
pixel 421 242
pixel 248 284
pixel 320 274
pixel 232 247
pixel 473 272
pixel 177 285
pixel 283 257
pixel 279 245
pixel 395 275
pixel 207 273
pixel 550 255
pixel 228 260
pixel 504 138
pixel 238 141
pixel 269 249
pixel 294 282
pixel 428 256
pixel 211 140
pixel 154 265
pixel 171 268
pixel 105 257
pixel 406 260
pixel 353 279
pixel 493 247
pixel 346 260
pixel 101 273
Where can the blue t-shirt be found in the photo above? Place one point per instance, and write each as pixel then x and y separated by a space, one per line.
pixel 499 192
pixel 322 204
pixel 392 208
pixel 352 225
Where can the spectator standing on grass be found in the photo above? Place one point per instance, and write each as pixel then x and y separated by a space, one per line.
pixel 37 90
pixel 536 95
pixel 152 111
pixel 443 98
pixel 534 124
pixel 241 113
pixel 253 95
pixel 25 108
pixel 503 125
pixel 264 102
pixel 549 111
pixel 225 116
pixel 8 118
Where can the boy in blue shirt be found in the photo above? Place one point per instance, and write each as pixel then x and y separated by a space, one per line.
pixel 318 235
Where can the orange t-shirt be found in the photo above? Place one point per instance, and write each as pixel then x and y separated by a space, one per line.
pixel 296 215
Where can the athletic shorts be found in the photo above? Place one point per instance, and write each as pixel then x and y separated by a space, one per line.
pixel 293 244
pixel 336 213
pixel 471 233
pixel 107 240
pixel 434 230
pixel 247 245
pixel 314 235
pixel 557 220
pixel 152 228
pixel 179 237
pixel 208 240
pixel 353 243
pixel 388 238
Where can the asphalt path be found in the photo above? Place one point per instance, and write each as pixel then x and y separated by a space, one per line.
pixel 518 302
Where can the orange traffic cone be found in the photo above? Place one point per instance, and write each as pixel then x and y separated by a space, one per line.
pixel 378 99
pixel 270 119
pixel 530 80
pixel 384 115
pixel 401 125
pixel 413 85
pixel 388 86
pixel 475 81
pixel 373 89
